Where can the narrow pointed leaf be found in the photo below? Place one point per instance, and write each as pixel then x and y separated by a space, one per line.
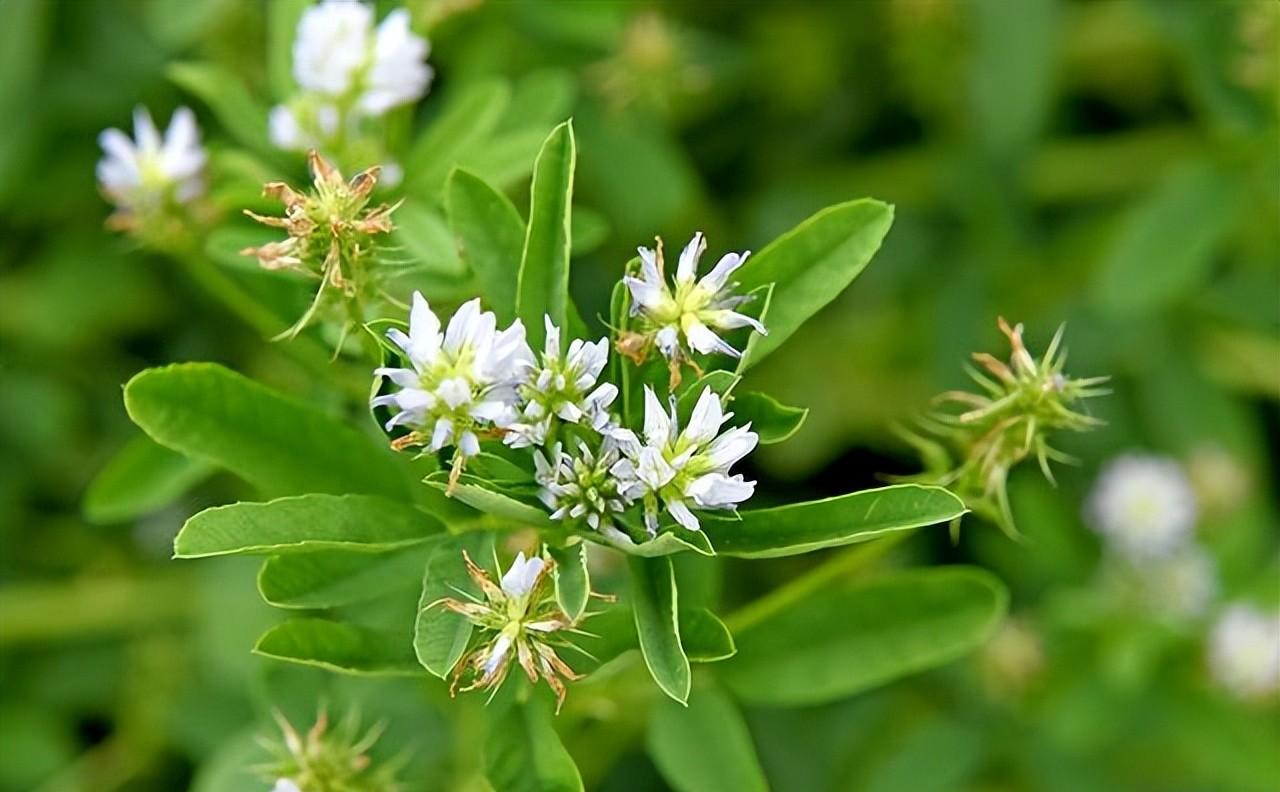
pixel 811 264
pixel 493 503
pixel 677 540
pixel 440 637
pixel 337 646
pixel 573 585
pixel 703 636
pixel 142 478
pixel 425 239
pixel 831 522
pixel 769 418
pixel 282 27
pixel 489 234
pixel 330 578
pixel 890 627
pixel 706 746
pixel 279 445
pixel 461 129
pixel 654 602
pixel 543 286
pixel 303 523
pixel 223 92
pixel 523 753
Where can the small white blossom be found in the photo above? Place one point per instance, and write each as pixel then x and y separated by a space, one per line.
pixel 562 386
pixel 398 73
pixel 317 124
pixel 285 785
pixel 332 46
pixel 462 382
pixel 520 621
pixel 590 487
pixel 1244 651
pixel 1143 505
pixel 149 169
pixel 338 53
pixel 688 468
pixel 521 575
pixel 694 309
pixel 1180 585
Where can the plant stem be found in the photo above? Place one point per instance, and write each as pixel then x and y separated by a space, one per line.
pixel 843 563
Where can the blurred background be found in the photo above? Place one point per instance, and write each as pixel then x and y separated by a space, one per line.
pixel 1110 164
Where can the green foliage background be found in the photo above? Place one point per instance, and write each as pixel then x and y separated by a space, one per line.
pixel 1109 163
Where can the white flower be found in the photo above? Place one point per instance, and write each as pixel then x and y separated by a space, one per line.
pixel 1143 505
pixel 463 381
pixel 564 387
pixel 521 575
pixel 398 74
pixel 1180 585
pixel 1244 651
pixel 338 54
pixel 285 785
pixel 149 169
pixel 695 307
pixel 303 128
pixel 686 468
pixel 591 487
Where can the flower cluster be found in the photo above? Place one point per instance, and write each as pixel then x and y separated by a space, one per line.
pixel 1143 506
pixel 1145 510
pixel 591 486
pixel 462 383
pixel 1244 651
pixel 1024 401
pixel 332 233
pixel 562 386
pixel 349 71
pixel 150 177
pixel 683 320
pixel 689 467
pixel 324 759
pixel 474 382
pixel 520 621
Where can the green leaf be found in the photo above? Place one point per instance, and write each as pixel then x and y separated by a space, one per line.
pixel 330 578
pixel 440 636
pixel 462 128
pixel 1012 71
pixel 506 157
pixel 282 27
pixel 427 242
pixel 704 747
pixel 831 522
pixel 770 419
pixel 280 446
pixel 811 264
pixel 1165 245
pixel 142 478
pixel 336 646
pixel 238 112
pixel 655 604
pixel 494 503
pixel 304 523
pixel 704 637
pixel 675 540
pixel 573 584
pixel 843 641
pixel 543 286
pixel 489 234
pixel 523 753
pixel 540 99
